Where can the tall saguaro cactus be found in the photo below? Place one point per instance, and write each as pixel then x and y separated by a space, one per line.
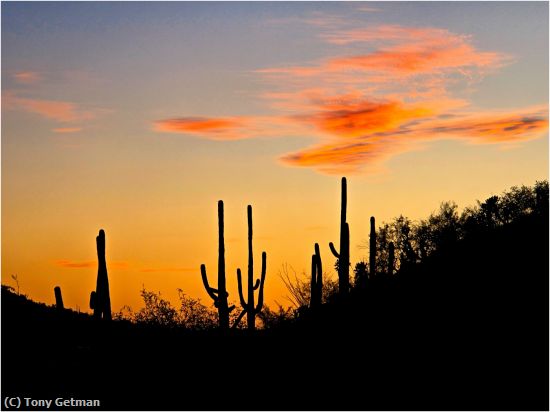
pixel 248 307
pixel 316 293
pixel 372 248
pixel 101 300
pixel 343 254
pixel 219 296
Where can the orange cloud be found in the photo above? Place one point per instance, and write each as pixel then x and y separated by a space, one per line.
pixel 213 128
pixel 354 154
pixel 234 128
pixel 354 119
pixel 67 129
pixel 26 77
pixel 64 263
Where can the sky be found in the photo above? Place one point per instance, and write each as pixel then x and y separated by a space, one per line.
pixel 137 117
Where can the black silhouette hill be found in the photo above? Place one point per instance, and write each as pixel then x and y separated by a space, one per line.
pixel 464 328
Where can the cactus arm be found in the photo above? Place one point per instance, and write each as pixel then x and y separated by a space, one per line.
pixel 211 291
pixel 333 250
pixel 257 284
pixel 240 285
pixel 261 292
pixel 230 308
pixel 238 320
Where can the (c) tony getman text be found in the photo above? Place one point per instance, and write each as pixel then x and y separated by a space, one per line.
pixel 18 402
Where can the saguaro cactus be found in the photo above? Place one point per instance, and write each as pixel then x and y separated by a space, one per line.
pixel 102 300
pixel 248 307
pixel 58 298
pixel 343 255
pixel 220 294
pixel 316 293
pixel 391 258
pixel 372 248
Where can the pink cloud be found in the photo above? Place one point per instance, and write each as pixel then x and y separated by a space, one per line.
pixel 61 111
pixel 26 77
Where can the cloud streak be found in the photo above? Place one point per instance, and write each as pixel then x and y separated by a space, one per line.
pixel 168 269
pixel 67 129
pixel 71 264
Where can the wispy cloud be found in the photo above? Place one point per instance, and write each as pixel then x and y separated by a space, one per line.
pixel 389 92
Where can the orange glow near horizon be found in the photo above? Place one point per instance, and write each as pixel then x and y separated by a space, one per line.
pixel 189 105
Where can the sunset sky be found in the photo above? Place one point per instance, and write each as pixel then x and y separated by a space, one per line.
pixel 136 118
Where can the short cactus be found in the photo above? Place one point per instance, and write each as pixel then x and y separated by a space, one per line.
pixel 58 298
pixel 316 293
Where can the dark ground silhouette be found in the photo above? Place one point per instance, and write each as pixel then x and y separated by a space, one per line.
pixel 463 327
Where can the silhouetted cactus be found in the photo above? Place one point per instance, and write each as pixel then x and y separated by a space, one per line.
pixel 316 293
pixel 343 255
pixel 391 258
pixel 249 308
pixel 102 300
pixel 372 248
pixel 58 298
pixel 220 294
